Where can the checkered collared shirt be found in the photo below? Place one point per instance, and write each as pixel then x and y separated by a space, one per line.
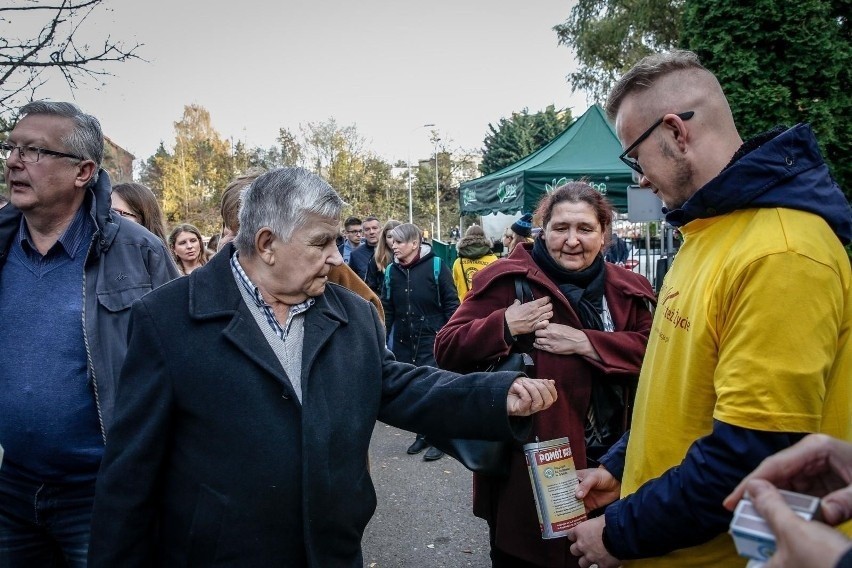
pixel 254 292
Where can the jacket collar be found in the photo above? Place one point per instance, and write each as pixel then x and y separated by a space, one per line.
pixel 775 169
pixel 213 294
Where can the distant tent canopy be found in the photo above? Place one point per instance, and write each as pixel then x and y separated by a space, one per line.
pixel 588 149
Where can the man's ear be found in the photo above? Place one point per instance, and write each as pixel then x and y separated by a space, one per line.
pixel 679 130
pixel 265 243
pixel 85 170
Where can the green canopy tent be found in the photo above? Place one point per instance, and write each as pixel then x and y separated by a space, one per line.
pixel 587 149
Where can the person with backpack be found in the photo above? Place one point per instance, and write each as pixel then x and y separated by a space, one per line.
pixel 419 297
pixel 474 254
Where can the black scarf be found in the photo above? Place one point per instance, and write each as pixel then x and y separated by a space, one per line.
pixel 584 289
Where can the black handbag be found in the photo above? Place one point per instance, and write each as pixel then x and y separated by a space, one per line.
pixel 487 457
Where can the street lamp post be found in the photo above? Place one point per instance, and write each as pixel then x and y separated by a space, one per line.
pixel 437 193
pixel 410 196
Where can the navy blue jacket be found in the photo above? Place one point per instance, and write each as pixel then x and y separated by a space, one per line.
pixel 776 169
pixel 362 263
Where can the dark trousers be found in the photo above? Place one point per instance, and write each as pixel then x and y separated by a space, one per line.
pixel 44 525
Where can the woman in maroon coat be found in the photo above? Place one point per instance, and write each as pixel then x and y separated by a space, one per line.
pixel 587 326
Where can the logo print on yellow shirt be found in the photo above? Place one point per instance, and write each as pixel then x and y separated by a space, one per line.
pixel 673 315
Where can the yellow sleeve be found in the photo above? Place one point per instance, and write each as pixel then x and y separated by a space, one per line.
pixel 459 280
pixel 777 326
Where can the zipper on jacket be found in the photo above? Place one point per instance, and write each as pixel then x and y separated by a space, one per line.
pixel 95 236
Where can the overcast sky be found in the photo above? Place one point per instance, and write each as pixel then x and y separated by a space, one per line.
pixel 387 66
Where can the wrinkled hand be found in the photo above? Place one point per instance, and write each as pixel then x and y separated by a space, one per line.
pixel 798 542
pixel 819 465
pixel 597 488
pixel 588 544
pixel 528 396
pixel 526 318
pixel 563 340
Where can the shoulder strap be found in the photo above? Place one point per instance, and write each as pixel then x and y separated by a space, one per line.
pixel 387 280
pixel 523 292
pixel 464 274
pixel 436 271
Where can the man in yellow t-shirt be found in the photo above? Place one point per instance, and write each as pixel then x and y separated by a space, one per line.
pixel 751 346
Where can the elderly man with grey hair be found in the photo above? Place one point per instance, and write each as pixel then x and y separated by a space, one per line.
pixel 243 421
pixel 69 270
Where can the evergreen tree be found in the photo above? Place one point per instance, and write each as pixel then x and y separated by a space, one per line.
pixel 781 64
pixel 520 135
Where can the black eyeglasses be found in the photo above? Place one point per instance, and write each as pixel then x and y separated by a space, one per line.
pixel 632 162
pixel 31 154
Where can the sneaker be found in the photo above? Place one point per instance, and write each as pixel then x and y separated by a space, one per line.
pixel 433 454
pixel 418 446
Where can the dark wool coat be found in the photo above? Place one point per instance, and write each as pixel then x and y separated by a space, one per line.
pixel 475 335
pixel 213 461
pixel 417 306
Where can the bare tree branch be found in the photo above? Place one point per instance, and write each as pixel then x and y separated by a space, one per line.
pixel 25 61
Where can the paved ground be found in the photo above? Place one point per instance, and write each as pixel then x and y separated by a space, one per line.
pixel 424 514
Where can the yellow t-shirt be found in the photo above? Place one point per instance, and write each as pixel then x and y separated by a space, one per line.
pixel 465 268
pixel 752 328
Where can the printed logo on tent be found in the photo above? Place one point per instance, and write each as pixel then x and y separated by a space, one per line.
pixel 468 196
pixel 507 191
pixel 549 187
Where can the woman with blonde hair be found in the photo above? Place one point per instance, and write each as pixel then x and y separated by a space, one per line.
pixel 384 251
pixel 187 247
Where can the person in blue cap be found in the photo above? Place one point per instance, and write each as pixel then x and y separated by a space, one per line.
pixel 521 232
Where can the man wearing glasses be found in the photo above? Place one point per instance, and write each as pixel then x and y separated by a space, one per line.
pixel 751 345
pixel 69 270
pixel 351 237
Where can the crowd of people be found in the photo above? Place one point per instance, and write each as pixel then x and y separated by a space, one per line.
pixel 162 404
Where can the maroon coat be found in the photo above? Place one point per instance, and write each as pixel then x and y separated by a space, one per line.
pixel 475 334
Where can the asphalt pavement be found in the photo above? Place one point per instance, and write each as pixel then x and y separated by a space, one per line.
pixel 423 517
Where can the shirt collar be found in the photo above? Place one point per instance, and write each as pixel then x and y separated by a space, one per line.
pixel 254 291
pixel 74 235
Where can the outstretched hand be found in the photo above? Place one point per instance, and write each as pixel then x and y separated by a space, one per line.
pixel 528 396
pixel 597 488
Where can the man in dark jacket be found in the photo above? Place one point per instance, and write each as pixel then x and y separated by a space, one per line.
pixel 751 345
pixel 243 420
pixel 362 260
pixel 69 270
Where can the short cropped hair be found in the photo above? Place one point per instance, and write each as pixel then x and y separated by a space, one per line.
pixel 86 138
pixel 281 200
pixel 645 73
pixel 407 233
pixel 350 221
